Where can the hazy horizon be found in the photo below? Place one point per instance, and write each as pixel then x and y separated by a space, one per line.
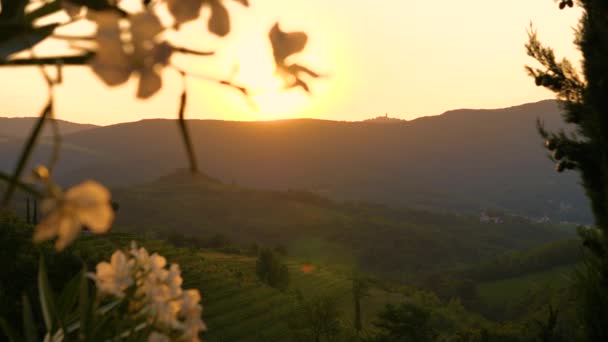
pixel 372 116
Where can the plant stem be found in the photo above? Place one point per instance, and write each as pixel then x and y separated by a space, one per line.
pixel 27 153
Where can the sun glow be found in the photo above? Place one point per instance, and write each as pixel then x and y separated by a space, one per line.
pixel 246 59
pixel 269 100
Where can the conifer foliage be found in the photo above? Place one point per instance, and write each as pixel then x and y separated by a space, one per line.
pixel 584 98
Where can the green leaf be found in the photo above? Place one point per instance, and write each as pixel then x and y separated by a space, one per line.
pixel 29 326
pixel 47 303
pixel 85 305
pixel 26 39
pixel 42 286
pixel 69 296
pixel 12 335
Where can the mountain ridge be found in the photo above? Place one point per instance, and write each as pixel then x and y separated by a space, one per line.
pixel 463 161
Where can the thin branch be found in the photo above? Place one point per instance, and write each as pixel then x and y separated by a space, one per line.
pixel 65 60
pixel 27 153
pixel 192 52
pixel 23 186
pixel 184 128
pixel 54 124
pixel 72 38
pixel 56 143
pixel 241 89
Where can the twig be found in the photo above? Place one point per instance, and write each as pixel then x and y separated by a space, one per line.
pixel 23 186
pixel 184 128
pixel 241 89
pixel 27 152
pixel 55 126
pixel 65 60
pixel 71 38
pixel 192 52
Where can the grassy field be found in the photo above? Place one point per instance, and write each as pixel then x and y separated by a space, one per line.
pixel 503 291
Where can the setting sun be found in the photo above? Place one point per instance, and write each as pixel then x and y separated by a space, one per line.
pixel 269 99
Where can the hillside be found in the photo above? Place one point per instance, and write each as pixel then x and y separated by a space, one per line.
pixel 400 243
pixel 21 127
pixel 464 160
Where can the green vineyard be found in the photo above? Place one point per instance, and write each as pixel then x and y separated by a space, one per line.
pixel 238 307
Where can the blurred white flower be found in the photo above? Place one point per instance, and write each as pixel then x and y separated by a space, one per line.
pixel 86 204
pixel 174 281
pixel 158 337
pixel 116 276
pixel 157 294
pixel 122 51
pixel 190 312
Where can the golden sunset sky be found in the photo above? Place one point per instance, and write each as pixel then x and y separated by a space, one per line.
pixel 404 58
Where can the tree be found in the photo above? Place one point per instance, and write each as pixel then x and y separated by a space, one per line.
pixel 585 103
pixel 315 318
pixel 404 322
pixel 271 270
pixel 360 290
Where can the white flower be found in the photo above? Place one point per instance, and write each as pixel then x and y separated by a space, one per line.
pixel 158 296
pixel 191 311
pixel 116 276
pixel 158 337
pixel 122 52
pixel 174 281
pixel 86 204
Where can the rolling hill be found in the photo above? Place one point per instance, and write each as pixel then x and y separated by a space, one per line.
pixel 400 243
pixel 463 161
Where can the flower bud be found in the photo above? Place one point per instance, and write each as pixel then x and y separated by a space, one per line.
pixel 558 154
pixel 41 173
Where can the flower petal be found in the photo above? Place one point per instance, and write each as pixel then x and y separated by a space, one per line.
pixel 145 25
pixel 98 219
pixel 111 62
pixel 47 228
pixel 88 194
pixel 67 230
pixel 149 83
pixel 184 10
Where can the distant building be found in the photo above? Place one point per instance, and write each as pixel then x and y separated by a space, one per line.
pixel 543 219
pixel 485 218
pixel 385 119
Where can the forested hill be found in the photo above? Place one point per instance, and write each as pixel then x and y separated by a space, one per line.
pixel 464 160
pixel 397 242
